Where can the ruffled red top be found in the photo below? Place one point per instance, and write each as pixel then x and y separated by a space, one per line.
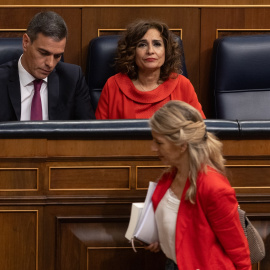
pixel 121 100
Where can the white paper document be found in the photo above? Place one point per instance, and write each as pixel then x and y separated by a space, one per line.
pixel 142 224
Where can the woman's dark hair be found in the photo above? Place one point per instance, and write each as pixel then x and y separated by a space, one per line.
pixel 125 60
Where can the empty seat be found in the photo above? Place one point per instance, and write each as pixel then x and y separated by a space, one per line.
pixel 241 79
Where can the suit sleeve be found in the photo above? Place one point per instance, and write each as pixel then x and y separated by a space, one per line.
pixel 83 106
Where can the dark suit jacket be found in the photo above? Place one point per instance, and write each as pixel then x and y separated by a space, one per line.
pixel 68 93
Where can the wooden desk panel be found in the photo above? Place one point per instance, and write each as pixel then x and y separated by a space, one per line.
pixel 83 190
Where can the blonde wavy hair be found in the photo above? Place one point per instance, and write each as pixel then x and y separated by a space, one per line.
pixel 181 123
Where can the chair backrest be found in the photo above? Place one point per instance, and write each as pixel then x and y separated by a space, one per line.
pixel 100 63
pixel 10 49
pixel 241 80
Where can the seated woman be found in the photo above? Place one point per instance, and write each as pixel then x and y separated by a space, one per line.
pixel 149 64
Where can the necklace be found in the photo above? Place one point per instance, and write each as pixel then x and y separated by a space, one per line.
pixel 141 86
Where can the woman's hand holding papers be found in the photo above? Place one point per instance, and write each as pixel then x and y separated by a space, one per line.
pixel 154 247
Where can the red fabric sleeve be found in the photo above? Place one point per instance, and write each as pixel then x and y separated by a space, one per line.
pixel 221 211
pixel 185 91
pixel 102 111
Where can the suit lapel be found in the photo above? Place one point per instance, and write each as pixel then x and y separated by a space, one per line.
pixel 53 94
pixel 14 90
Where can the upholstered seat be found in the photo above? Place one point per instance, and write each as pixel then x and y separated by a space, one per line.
pixel 10 48
pixel 100 63
pixel 241 77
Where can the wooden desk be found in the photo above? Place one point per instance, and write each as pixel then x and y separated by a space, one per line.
pixel 65 202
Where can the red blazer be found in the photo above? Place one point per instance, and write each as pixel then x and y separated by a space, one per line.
pixel 121 100
pixel 209 235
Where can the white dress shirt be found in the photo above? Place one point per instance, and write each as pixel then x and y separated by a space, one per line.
pixel 27 93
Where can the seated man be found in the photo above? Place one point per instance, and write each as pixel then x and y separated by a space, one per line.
pixel 38 86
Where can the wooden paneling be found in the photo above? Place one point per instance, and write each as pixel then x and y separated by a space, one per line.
pixel 178 3
pixel 88 244
pixel 22 148
pixel 240 32
pixel 84 197
pixel 246 148
pixel 124 258
pixel 145 174
pixel 250 176
pixel 103 148
pixel 92 235
pixel 18 179
pixel 19 240
pixel 90 178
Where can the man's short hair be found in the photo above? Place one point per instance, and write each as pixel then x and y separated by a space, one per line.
pixel 48 23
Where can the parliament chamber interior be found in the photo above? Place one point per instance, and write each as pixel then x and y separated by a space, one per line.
pixel 66 187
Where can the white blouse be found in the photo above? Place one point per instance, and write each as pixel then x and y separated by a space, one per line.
pixel 166 215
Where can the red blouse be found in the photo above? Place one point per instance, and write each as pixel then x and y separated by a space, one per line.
pixel 121 100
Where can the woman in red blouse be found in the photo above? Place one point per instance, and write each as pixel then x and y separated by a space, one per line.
pixel 149 65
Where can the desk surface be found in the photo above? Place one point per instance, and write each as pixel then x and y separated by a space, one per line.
pixel 125 129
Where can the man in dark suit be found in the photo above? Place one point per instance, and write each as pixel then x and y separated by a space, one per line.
pixel 63 95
